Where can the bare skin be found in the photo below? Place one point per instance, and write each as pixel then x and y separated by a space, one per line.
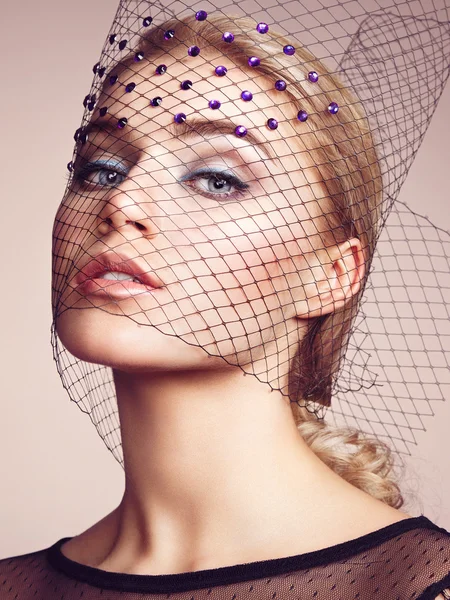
pixel 216 475
pixel 216 472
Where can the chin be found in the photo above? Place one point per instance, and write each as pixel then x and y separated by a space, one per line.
pixel 95 336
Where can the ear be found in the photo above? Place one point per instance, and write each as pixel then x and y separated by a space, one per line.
pixel 336 278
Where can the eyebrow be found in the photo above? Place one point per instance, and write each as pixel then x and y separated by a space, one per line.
pixel 103 125
pixel 199 126
pixel 194 126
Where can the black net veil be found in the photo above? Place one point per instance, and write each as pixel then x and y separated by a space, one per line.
pixel 234 184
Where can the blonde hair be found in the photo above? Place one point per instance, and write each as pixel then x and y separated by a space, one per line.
pixel 345 156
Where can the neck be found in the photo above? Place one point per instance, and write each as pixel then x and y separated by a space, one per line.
pixel 216 472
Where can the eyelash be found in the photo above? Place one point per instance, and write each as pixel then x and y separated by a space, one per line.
pixel 81 173
pixel 208 173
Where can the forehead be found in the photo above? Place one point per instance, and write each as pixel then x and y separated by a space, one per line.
pixel 154 123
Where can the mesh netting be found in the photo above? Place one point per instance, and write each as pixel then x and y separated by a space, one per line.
pixel 234 184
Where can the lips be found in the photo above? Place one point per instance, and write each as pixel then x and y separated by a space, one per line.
pixel 115 261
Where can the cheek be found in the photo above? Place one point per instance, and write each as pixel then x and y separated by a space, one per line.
pixel 71 229
pixel 73 223
pixel 254 281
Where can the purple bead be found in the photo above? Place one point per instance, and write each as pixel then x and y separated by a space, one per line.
pixel 80 135
pixel 228 37
pixel 113 79
pixel 214 104
pixel 240 131
pixel 122 44
pixel 161 69
pixel 89 101
pixel 147 21
pixel 130 87
pixel 289 50
pixel 193 50
pixel 253 61
pixel 101 72
pixel 103 110
pixel 262 28
pixel 201 15
pixel 112 38
pixel 91 105
pixel 95 68
pixel 186 84
pixel 221 71
pixel 179 118
pixel 246 95
pixel 122 122
pixel 272 123
pixel 156 101
pixel 169 34
pixel 313 76
pixel 138 56
pixel 302 115
pixel 70 166
pixel 280 85
pixel 333 107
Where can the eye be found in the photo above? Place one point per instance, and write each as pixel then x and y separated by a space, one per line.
pixel 216 183
pixel 101 173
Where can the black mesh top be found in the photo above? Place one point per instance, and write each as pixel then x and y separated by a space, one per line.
pixel 406 560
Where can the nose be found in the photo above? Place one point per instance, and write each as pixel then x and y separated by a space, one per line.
pixel 127 211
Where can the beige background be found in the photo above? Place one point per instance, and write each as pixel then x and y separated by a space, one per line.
pixel 56 475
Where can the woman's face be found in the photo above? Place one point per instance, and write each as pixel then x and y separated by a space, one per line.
pixel 224 227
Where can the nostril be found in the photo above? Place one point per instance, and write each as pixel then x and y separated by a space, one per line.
pixel 138 225
pixel 104 226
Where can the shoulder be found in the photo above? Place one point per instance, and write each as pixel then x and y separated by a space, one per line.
pixel 427 556
pixel 25 576
pixel 410 556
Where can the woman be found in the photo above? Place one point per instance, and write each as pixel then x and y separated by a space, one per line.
pixel 209 211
